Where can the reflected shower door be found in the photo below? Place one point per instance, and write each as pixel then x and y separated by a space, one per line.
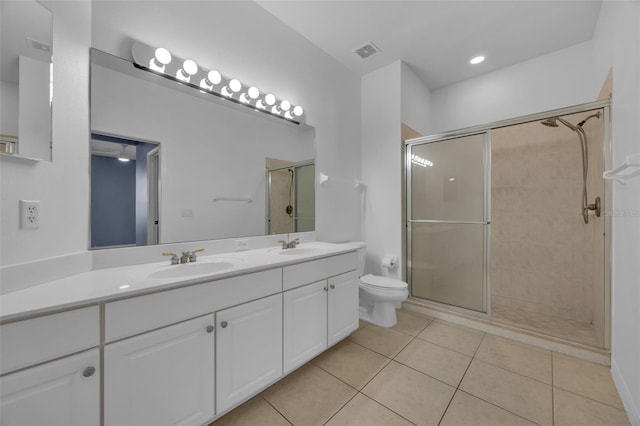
pixel 448 220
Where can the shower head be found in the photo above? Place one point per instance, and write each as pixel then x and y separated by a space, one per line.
pixel 550 122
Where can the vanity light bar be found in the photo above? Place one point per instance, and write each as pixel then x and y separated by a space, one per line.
pixel 416 159
pixel 186 71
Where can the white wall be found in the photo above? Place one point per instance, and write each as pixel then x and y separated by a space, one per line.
pixel 244 41
pixel 551 81
pixel 381 161
pixel 9 108
pixel 62 186
pixel 415 100
pixel 241 39
pixel 34 112
pixel 617 45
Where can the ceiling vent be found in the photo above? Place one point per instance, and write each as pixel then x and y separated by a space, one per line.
pixel 367 50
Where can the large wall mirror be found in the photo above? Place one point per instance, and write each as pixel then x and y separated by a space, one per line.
pixel 26 89
pixel 172 164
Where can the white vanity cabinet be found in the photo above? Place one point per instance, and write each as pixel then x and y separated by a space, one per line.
pixel 305 323
pixel 164 377
pixel 65 392
pixel 320 314
pixel 248 349
pixel 343 317
pixel 50 373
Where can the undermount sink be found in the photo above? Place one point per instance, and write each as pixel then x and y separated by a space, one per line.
pixel 304 251
pixel 191 269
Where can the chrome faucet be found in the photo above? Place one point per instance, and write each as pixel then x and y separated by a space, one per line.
pixel 186 257
pixel 289 245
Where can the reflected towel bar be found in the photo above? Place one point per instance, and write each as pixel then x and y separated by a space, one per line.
pixel 246 199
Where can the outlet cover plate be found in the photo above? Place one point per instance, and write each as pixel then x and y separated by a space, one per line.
pixel 29 214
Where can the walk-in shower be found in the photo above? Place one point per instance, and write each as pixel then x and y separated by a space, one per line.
pixel 492 228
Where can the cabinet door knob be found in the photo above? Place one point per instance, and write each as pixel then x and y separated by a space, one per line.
pixel 224 324
pixel 332 286
pixel 88 372
pixel 209 328
pixel 325 289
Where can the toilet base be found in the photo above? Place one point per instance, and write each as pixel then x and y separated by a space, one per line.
pixel 380 314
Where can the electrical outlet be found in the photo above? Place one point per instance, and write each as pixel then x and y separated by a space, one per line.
pixel 29 214
pixel 242 244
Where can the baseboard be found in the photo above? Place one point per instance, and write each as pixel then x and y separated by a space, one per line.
pixel 630 404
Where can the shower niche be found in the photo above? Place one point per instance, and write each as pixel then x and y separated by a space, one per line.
pixel 540 261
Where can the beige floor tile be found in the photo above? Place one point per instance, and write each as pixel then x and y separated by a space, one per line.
pixel 363 411
pixel 410 323
pixel 571 410
pixel 454 337
pixel 585 378
pixel 308 396
pixel 520 395
pixel 438 362
pixel 415 396
pixel 351 363
pixel 382 340
pixel 517 357
pixel 466 409
pixel 253 412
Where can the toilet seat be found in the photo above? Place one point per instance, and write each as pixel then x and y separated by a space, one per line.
pixel 382 283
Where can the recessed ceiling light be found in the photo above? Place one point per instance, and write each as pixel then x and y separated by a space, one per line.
pixel 476 60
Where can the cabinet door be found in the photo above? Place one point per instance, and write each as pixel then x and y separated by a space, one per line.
pixel 343 306
pixel 305 324
pixel 165 377
pixel 63 392
pixel 248 349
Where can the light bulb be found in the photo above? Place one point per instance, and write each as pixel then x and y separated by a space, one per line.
pixel 298 111
pixel 285 105
pixel 476 60
pixel 212 78
pixel 269 99
pixel 124 160
pixel 188 69
pixel 235 85
pixel 162 58
pixel 252 93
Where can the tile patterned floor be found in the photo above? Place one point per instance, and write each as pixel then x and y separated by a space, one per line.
pixel 430 372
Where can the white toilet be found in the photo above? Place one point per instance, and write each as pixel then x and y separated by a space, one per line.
pixel 379 296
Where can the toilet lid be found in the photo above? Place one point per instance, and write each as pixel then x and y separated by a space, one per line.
pixel 383 282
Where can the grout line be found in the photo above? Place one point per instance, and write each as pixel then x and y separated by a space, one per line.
pixel 589 398
pixel 341 407
pixel 497 406
pixel 272 406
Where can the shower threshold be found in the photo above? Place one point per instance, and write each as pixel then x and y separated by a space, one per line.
pixel 587 349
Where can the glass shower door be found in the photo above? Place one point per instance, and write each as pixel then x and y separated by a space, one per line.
pixel 447 212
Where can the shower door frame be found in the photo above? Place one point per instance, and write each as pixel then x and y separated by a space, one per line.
pixel 486 213
pixel 294 165
pixel 607 146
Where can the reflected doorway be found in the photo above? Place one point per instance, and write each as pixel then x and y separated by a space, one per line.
pixel 125 179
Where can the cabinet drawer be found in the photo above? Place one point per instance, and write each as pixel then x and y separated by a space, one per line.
pixel 316 270
pixel 139 314
pixel 29 342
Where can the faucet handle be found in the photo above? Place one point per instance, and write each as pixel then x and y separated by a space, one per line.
pixel 192 254
pixel 174 257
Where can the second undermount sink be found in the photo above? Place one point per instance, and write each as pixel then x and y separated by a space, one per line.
pixel 192 269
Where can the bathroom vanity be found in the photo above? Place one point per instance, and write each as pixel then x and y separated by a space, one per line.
pixel 155 344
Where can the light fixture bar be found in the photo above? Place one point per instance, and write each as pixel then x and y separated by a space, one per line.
pixel 187 72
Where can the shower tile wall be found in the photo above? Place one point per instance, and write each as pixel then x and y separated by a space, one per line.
pixel 544 259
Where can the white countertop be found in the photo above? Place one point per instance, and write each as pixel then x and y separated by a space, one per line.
pixel 115 283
